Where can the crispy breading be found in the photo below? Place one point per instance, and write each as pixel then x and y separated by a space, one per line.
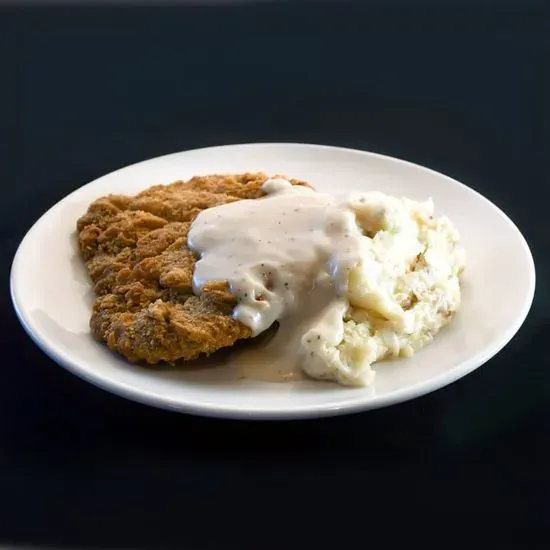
pixel 142 269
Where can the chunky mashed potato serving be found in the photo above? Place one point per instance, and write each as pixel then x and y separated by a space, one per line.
pixel 404 290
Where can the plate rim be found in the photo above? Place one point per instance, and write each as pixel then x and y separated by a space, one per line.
pixel 353 405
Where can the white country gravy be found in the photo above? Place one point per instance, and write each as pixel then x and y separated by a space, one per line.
pixel 350 280
pixel 286 257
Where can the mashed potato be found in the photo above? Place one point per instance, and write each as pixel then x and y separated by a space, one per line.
pixel 404 290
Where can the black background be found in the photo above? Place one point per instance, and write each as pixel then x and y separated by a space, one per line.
pixel 461 88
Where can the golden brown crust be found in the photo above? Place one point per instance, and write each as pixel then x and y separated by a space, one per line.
pixel 142 269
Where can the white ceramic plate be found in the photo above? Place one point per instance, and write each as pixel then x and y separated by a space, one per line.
pixel 52 294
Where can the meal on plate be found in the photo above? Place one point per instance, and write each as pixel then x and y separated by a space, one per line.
pixel 186 269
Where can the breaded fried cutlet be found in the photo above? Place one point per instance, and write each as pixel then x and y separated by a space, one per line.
pixel 135 248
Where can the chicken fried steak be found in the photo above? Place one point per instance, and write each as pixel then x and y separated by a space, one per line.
pixel 137 256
